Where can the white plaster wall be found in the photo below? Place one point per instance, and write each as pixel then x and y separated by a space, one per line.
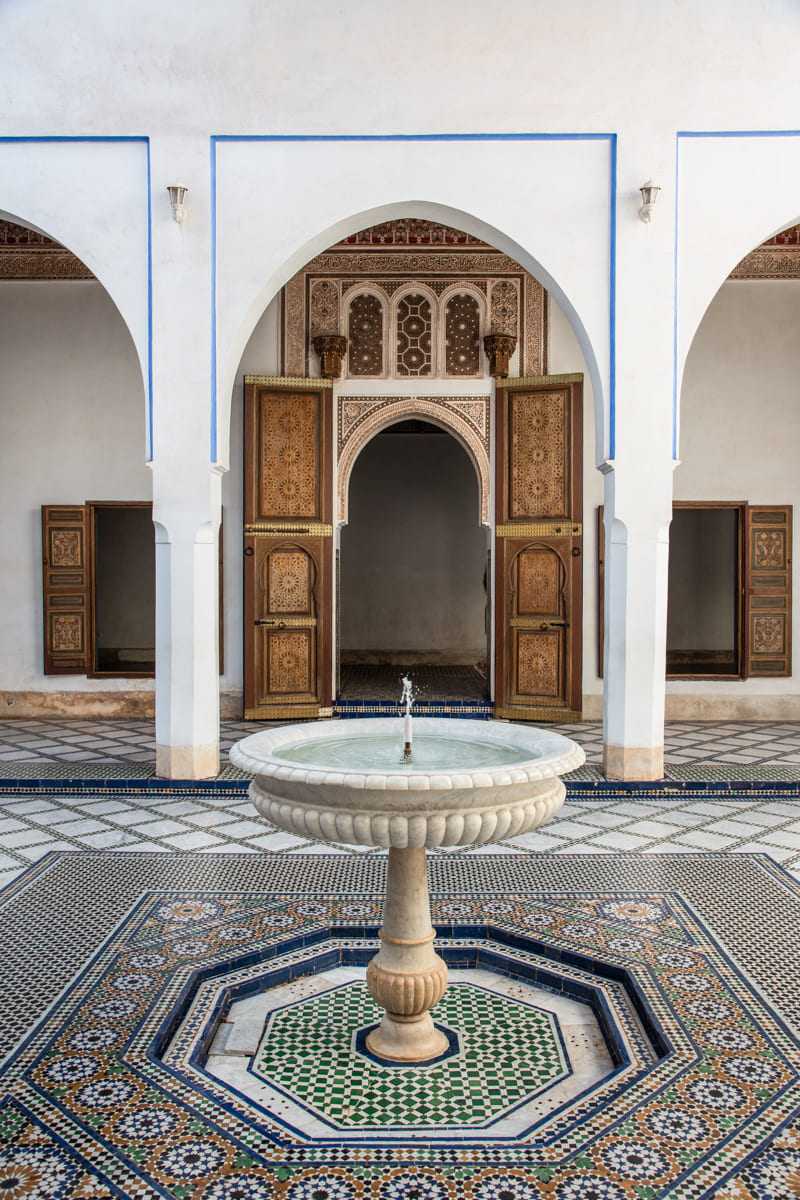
pixel 71 398
pixel 739 439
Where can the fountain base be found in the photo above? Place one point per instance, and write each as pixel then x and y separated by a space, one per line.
pixel 407 977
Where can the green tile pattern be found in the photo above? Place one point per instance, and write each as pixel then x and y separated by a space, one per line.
pixel 510 1052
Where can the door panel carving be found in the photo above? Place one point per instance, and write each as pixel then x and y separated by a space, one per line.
pixel 288 549
pixel 539 666
pixel 538 583
pixel 289 582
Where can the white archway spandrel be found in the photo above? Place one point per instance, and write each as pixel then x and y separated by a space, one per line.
pixel 360 418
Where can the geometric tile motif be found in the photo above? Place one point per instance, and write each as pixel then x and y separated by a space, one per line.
pixel 510 1052
pixel 88 1076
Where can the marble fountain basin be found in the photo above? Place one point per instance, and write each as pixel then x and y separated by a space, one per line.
pixel 467 782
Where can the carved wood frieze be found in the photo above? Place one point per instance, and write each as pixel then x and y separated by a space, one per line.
pixel 361 417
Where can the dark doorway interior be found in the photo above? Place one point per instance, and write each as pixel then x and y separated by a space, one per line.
pixel 703 616
pixel 124 590
pixel 413 568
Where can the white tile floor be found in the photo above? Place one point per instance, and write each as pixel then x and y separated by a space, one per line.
pixel 35 820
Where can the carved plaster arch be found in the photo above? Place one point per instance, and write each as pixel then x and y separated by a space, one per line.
pixel 360 418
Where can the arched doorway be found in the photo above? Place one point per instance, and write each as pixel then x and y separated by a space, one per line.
pixel 431 325
pixel 413 569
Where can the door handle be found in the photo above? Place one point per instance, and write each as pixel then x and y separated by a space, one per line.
pixel 264 621
pixel 554 625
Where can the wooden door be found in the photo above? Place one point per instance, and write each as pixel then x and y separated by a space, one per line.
pixel 538 548
pixel 67 589
pixel 288 547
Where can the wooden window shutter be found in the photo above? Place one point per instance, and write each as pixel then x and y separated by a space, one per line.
pixel 66 579
pixel 767 638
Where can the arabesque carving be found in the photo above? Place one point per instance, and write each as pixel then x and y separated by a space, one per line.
pixel 539 572
pixel 66 633
pixel 289 455
pixel 361 417
pixel 289 665
pixel 537 460
pixel 289 578
pixel 537 664
pixel 768 634
pixel 769 550
pixel 66 548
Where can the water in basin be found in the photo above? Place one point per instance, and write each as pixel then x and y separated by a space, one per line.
pixel 429 753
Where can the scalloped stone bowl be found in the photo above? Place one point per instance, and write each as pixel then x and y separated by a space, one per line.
pixel 408 805
pixel 467 782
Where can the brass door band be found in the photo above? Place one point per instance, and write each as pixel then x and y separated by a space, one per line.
pixel 308 530
pixel 538 623
pixel 288 622
pixel 541 529
pixel 295 383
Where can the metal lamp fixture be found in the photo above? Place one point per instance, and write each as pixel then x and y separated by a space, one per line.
pixel 649 192
pixel 177 192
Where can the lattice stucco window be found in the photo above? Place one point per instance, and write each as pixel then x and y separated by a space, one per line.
pixel 365 336
pixel 462 336
pixel 414 335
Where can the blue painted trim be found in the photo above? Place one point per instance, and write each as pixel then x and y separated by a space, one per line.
pixel 412 137
pixel 145 141
pixel 612 301
pixel 149 436
pixel 611 138
pixel 737 133
pixel 213 213
pixel 675 309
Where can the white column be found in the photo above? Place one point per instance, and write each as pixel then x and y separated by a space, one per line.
pixel 186 484
pixel 638 481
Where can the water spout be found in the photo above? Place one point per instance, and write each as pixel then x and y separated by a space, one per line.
pixel 407 700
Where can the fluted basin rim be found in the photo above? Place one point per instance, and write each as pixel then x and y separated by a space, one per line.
pixel 259 754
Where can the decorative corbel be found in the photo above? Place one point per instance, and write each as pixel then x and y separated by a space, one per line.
pixel 331 348
pixel 499 347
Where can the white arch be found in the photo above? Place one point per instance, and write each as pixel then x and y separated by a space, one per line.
pixel 323 191
pixel 439 411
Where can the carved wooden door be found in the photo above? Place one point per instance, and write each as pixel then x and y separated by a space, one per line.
pixel 538 548
pixel 288 547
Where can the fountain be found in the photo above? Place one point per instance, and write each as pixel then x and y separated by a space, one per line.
pixel 364 782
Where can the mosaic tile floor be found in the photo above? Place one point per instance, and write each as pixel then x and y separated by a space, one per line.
pixel 218 818
pixel 109 1094
pixel 657 882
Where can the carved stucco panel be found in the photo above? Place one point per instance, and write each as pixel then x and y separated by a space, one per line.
pixel 361 417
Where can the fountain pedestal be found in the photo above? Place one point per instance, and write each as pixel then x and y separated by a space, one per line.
pixel 407 977
pixel 350 782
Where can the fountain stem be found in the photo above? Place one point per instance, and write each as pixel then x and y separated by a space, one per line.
pixel 407 977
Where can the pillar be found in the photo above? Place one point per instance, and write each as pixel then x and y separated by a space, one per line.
pixel 638 476
pixel 186 483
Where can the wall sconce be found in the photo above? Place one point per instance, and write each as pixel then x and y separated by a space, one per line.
pixel 176 196
pixel 649 192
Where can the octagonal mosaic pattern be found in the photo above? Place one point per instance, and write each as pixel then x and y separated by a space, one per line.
pixel 110 1095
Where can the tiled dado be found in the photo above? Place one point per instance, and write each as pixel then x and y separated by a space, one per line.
pixel 111 1094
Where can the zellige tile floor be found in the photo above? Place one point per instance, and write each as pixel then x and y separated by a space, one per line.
pixel 130 813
